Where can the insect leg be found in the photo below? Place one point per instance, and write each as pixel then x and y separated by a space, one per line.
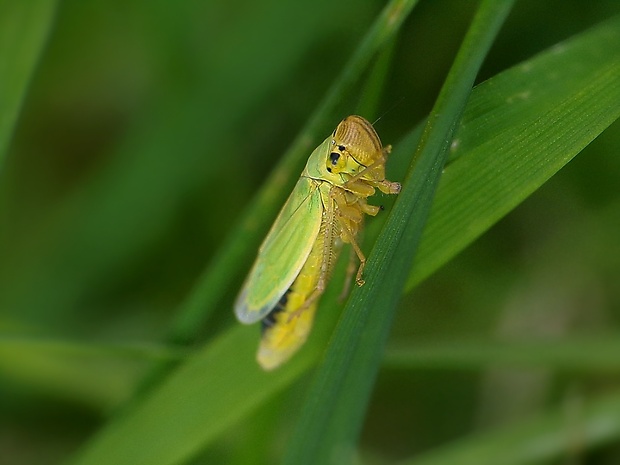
pixel 350 220
pixel 376 179
pixel 349 276
pixel 349 237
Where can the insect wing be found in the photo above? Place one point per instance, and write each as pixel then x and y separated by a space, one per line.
pixel 283 252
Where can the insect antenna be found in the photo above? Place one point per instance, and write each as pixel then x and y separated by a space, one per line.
pixel 398 102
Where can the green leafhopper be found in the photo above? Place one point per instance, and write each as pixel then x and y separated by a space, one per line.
pixel 325 210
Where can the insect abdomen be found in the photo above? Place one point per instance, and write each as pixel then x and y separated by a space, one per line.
pixel 287 326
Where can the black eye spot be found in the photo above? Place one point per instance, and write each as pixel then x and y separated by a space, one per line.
pixel 329 169
pixel 334 156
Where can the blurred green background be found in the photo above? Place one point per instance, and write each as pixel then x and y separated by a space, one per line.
pixel 146 129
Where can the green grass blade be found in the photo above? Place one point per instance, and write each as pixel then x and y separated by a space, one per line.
pixel 98 376
pixel 205 396
pixel 550 436
pixel 335 406
pixel 222 384
pixel 24 27
pixel 532 126
pixel 594 354
pixel 102 376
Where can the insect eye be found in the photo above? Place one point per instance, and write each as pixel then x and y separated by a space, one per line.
pixel 334 156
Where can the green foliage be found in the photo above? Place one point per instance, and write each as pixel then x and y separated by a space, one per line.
pixel 24 29
pixel 146 131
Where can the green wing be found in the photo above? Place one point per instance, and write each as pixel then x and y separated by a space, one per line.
pixel 283 252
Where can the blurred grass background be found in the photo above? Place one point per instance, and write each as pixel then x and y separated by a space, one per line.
pixel 145 130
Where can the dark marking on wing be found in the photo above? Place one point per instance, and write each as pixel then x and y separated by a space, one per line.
pixel 270 319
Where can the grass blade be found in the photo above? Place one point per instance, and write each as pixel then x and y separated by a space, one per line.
pixel 533 126
pixel 24 27
pixel 333 412
pixel 571 354
pixel 98 376
pixel 204 396
pixel 550 436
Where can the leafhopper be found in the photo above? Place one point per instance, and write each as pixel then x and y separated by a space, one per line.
pixel 325 210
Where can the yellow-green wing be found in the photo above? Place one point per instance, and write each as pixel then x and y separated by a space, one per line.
pixel 283 252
